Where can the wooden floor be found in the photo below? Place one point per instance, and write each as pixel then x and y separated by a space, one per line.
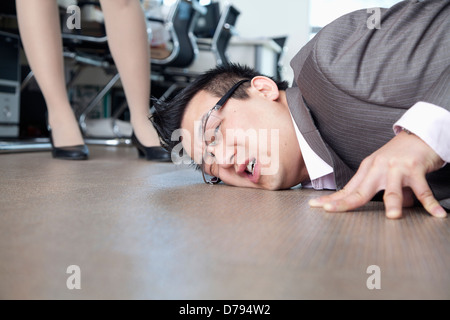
pixel 143 230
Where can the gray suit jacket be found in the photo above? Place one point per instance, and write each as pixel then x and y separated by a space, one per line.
pixel 353 83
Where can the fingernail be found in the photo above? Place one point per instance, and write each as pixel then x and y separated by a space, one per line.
pixel 329 206
pixel 315 203
pixel 439 212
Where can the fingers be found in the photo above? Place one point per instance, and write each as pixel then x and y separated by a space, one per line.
pixel 399 168
pixel 424 194
pixel 354 200
pixel 393 195
pixel 352 185
pixel 319 202
pixel 355 194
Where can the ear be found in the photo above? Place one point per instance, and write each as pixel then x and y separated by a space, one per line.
pixel 266 86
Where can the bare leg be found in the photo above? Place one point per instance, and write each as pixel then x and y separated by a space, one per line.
pixel 128 42
pixel 41 37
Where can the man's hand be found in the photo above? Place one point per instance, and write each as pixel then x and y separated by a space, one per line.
pixel 399 168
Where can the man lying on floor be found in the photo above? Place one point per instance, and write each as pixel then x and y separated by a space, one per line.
pixel 369 111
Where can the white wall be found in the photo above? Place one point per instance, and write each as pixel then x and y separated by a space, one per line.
pixel 325 11
pixel 272 18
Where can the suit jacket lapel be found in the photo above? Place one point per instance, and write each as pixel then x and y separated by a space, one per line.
pixel 305 123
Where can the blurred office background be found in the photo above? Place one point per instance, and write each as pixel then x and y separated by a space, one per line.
pixel 264 34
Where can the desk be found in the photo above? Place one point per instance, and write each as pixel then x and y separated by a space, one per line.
pixel 260 53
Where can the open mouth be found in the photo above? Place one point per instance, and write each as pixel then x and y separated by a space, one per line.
pixel 250 169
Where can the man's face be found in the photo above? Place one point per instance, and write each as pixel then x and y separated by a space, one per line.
pixel 250 143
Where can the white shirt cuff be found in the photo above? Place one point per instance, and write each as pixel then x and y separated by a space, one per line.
pixel 431 123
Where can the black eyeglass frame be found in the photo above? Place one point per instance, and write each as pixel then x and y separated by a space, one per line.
pixel 218 106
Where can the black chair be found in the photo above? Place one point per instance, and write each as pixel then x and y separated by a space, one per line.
pixel 92 50
pixel 207 24
pixel 7 9
pixel 172 73
pixel 177 78
pixel 225 29
pixel 222 36
pixel 281 41
pixel 86 50
pixel 216 45
pixel 180 23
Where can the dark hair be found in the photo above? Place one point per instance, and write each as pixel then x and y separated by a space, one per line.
pixel 168 114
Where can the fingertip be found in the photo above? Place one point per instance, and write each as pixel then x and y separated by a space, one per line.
pixel 315 203
pixel 330 207
pixel 394 214
pixel 439 212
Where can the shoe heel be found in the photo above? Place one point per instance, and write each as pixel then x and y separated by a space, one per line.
pixel 150 153
pixel 140 153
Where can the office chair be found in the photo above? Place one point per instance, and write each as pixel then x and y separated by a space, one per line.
pixel 171 73
pixel 180 23
pixel 207 24
pixel 94 51
pixel 281 41
pixel 223 34
pixel 177 78
pixel 225 29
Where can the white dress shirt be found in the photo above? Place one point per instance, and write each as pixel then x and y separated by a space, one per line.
pixel 320 172
pixel 429 122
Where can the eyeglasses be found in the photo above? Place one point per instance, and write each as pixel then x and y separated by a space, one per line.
pixel 212 139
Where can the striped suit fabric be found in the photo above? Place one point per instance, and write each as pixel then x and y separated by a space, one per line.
pixel 352 83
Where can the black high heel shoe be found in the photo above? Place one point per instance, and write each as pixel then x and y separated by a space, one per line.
pixel 79 152
pixel 150 153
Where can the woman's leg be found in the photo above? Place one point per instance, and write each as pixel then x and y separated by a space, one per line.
pixel 128 42
pixel 41 37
